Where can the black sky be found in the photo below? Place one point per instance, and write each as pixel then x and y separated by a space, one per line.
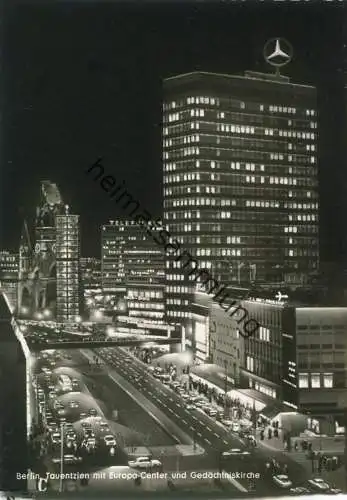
pixel 83 80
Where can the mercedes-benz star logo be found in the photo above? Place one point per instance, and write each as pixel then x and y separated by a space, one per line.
pixel 278 52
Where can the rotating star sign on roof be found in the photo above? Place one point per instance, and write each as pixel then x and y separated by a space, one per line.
pixel 278 52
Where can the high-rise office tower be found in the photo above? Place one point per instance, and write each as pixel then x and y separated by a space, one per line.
pixel 69 293
pixel 240 179
pixel 132 260
pixel 112 258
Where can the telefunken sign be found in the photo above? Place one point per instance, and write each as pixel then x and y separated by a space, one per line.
pixel 172 247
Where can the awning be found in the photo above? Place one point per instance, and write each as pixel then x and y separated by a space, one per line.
pixel 272 410
pixel 246 399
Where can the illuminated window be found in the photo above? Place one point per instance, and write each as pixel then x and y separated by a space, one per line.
pixel 315 380
pixel 250 364
pixel 303 380
pixel 328 380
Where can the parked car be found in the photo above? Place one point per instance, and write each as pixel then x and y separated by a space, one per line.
pixel 212 412
pixel 300 490
pixel 226 422
pixel 318 484
pixel 283 481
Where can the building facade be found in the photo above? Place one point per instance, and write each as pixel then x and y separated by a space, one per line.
pixel 132 260
pixel 68 267
pixel 240 180
pixel 216 337
pixel 298 357
pixel 226 343
pixel 9 268
pixel 321 338
pixel 90 276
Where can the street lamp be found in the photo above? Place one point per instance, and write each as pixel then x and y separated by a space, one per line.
pixel 225 388
pixel 61 456
pixel 46 313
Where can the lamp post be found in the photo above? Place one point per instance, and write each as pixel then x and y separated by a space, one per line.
pixel 225 388
pixel 61 456
pixel 194 439
pixel 254 420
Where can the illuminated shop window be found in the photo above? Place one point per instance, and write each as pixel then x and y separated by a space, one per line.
pixel 315 381
pixel 303 380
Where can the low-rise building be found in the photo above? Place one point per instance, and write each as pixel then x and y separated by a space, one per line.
pixel 298 357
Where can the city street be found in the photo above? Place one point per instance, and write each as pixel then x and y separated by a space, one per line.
pixel 209 433
pixel 133 428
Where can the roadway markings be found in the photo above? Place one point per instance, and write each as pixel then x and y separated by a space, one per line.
pixel 236 484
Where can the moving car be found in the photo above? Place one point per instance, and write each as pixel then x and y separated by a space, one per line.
pixel 55 438
pixel 318 484
pixel 93 412
pixel 235 452
pixel 71 436
pixel 144 463
pixel 88 433
pixel 110 440
pixel 75 384
pixel 104 427
pixel 52 427
pixel 235 427
pixel 83 415
pixel 71 459
pixel 282 480
pixel 73 404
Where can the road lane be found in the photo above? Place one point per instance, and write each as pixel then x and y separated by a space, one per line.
pixel 199 422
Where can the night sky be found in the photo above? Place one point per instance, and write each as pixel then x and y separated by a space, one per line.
pixel 83 80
